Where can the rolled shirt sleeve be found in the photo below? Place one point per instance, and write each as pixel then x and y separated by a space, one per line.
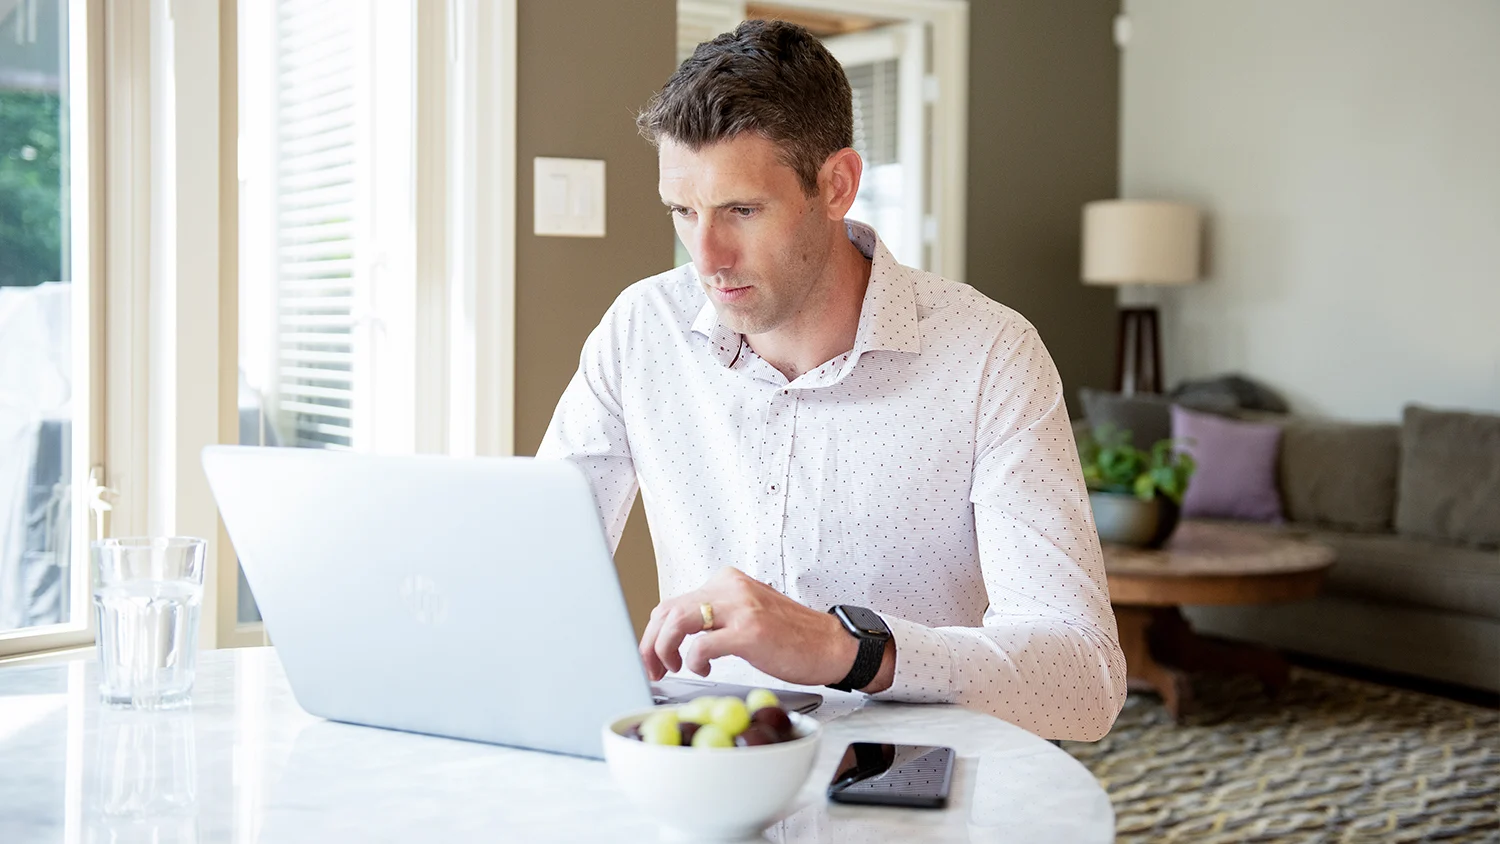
pixel 1047 657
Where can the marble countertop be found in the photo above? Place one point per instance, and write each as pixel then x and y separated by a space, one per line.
pixel 245 763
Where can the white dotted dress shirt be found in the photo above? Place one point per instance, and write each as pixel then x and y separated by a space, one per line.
pixel 928 474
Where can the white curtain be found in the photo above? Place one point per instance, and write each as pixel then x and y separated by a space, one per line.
pixel 35 386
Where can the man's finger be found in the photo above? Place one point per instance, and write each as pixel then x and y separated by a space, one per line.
pixel 684 620
pixel 654 667
pixel 709 646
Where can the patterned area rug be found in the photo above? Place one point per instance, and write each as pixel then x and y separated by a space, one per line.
pixel 1330 760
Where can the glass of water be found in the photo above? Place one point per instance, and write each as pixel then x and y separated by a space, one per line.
pixel 148 598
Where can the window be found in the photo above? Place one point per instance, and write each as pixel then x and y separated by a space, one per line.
pixel 376 227
pixel 325 166
pixel 326 283
pixel 364 136
pixel 45 298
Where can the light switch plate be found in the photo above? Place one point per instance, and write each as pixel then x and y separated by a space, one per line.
pixel 568 197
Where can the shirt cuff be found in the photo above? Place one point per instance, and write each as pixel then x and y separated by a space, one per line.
pixel 924 664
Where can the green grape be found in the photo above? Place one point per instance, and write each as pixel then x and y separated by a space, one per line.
pixel 731 716
pixel 661 728
pixel 699 710
pixel 761 698
pixel 667 716
pixel 711 735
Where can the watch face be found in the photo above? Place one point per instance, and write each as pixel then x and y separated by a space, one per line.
pixel 866 621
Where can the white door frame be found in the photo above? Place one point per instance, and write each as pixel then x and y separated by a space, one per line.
pixel 481 235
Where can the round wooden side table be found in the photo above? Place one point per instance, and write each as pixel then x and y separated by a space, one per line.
pixel 1204 563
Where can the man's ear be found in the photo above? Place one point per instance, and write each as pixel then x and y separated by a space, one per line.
pixel 838 182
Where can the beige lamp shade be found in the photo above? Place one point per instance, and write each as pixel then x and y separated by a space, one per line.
pixel 1130 241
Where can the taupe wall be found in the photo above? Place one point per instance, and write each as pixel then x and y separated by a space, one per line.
pixel 1043 140
pixel 1348 155
pixel 584 68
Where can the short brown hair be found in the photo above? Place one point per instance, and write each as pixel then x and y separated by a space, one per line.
pixel 772 78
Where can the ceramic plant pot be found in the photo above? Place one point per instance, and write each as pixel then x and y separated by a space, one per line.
pixel 1127 520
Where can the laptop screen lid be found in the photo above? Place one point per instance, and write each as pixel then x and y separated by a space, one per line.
pixel 474 598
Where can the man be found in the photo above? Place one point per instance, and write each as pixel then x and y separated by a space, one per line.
pixel 814 425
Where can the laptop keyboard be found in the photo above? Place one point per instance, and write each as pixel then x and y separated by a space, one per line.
pixel 682 689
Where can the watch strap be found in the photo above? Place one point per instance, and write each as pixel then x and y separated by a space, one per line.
pixel 866 662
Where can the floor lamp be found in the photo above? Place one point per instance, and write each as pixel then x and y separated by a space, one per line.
pixel 1128 241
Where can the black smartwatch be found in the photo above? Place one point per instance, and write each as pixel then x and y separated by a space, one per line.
pixel 869 628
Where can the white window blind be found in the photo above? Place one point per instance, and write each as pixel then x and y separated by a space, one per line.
pixel 877 110
pixel 316 239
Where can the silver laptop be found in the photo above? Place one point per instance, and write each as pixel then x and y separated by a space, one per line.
pixel 470 598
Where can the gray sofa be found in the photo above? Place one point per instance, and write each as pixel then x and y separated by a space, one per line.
pixel 1413 512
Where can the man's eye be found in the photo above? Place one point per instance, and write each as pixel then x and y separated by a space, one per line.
pixel 679 211
pixel 742 211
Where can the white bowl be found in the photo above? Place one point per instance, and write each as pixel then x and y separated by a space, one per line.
pixel 709 793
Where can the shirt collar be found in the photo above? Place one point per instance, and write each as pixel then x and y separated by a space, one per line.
pixel 887 317
pixel 723 343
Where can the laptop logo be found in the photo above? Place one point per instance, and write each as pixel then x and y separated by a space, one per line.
pixel 422 597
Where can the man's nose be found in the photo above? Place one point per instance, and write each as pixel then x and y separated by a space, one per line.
pixel 715 253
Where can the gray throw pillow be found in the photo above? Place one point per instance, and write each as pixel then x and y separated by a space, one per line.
pixel 1340 474
pixel 1245 393
pixel 1147 416
pixel 1450 476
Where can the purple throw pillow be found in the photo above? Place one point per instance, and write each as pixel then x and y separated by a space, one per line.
pixel 1236 476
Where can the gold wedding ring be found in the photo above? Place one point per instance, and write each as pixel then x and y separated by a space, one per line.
pixel 708 615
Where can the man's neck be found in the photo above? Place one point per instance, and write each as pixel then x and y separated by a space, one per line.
pixel 827 326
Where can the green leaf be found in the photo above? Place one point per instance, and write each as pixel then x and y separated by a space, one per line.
pixel 1112 463
pixel 31 194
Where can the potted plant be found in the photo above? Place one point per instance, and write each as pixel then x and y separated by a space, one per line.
pixel 1136 495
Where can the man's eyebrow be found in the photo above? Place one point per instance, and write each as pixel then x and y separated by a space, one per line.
pixel 733 203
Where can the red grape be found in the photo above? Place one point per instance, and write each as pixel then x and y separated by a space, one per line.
pixel 755 735
pixel 775 720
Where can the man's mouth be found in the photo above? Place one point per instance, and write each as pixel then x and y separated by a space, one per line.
pixel 728 294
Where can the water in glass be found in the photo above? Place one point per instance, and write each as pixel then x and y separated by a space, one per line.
pixel 148 634
pixel 148 600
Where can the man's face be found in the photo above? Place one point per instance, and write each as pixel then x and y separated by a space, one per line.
pixel 760 244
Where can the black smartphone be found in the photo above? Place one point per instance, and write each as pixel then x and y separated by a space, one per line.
pixel 910 775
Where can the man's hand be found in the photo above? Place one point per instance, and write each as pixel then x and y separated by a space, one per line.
pixel 758 624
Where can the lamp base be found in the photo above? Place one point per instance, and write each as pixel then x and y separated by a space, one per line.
pixel 1138 353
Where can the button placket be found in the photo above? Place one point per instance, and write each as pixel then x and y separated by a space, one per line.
pixel 776 468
